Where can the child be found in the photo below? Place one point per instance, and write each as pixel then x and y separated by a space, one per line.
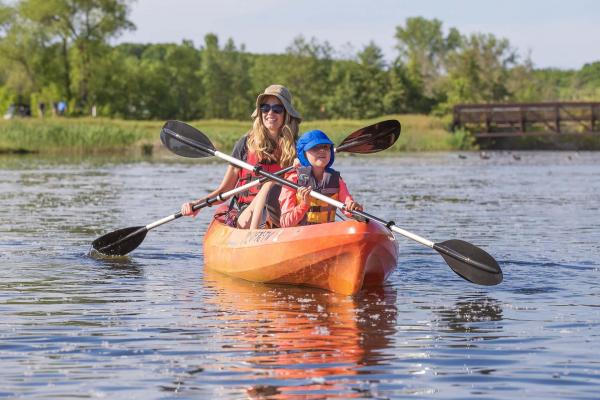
pixel 315 152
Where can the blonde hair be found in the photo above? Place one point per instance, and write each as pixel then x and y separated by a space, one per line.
pixel 266 149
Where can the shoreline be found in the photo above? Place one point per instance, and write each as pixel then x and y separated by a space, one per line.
pixel 102 135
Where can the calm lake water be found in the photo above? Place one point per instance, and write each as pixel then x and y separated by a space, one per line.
pixel 156 325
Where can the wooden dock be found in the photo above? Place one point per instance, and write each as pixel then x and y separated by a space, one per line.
pixel 528 119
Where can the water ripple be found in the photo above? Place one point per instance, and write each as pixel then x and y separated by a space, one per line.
pixel 154 324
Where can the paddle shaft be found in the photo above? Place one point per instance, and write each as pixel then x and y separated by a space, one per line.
pixel 225 195
pixel 324 198
pixel 370 139
pixel 211 200
pixel 466 260
pixel 390 224
pixel 206 203
pixel 316 195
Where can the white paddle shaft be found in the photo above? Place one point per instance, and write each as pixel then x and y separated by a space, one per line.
pixel 328 200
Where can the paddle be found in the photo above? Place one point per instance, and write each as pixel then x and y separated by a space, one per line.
pixel 465 259
pixel 370 139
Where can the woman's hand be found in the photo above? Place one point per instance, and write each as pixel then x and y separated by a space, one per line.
pixel 186 209
pixel 304 194
pixel 353 206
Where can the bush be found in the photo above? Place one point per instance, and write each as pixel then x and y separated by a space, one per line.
pixel 462 139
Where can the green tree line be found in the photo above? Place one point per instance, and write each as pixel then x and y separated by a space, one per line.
pixel 52 50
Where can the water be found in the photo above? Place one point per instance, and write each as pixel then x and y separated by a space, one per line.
pixel 157 326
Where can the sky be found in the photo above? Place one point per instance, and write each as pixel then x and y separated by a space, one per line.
pixel 558 34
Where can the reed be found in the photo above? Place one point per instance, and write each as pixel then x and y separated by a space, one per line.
pixel 98 135
pixel 67 136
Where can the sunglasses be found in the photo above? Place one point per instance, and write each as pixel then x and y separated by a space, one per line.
pixel 276 108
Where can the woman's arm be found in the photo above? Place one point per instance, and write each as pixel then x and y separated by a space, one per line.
pixel 227 183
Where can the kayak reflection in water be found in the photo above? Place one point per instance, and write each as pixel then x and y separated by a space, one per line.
pixel 295 341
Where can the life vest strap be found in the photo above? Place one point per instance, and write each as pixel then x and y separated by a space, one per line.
pixel 320 212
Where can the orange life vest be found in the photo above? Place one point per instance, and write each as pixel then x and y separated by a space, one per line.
pixel 319 212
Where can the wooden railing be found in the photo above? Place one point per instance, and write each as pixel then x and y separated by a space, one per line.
pixel 519 119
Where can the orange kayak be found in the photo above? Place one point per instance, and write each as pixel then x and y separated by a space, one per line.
pixel 342 257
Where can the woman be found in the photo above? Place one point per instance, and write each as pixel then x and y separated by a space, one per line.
pixel 271 143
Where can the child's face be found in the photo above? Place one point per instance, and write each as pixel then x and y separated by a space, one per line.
pixel 319 155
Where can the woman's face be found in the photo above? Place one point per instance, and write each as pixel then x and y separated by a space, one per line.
pixel 272 113
pixel 319 156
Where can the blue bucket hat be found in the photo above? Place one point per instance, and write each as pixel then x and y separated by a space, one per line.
pixel 309 140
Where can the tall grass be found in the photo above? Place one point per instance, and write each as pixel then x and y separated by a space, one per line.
pixel 66 136
pixel 88 135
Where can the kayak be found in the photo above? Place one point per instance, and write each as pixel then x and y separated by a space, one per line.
pixel 341 257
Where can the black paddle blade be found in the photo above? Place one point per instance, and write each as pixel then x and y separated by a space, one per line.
pixel 185 140
pixel 120 242
pixel 372 138
pixel 470 262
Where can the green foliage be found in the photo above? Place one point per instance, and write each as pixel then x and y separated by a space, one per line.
pixel 240 100
pixel 462 139
pixel 6 14
pixel 478 72
pixel 62 42
pixel 308 64
pixel 587 82
pixel 55 50
pixel 60 136
pixel 425 50
pixel 6 99
pixel 361 85
pixel 589 75
pixel 521 83
pixel 215 80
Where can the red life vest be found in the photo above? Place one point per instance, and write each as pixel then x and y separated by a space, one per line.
pixel 245 176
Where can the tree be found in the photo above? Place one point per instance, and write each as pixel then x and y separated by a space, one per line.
pixel 402 94
pixel 358 88
pixel 478 72
pixel 586 83
pixel 236 63
pixel 6 14
pixel 215 80
pixel 151 81
pixel 27 61
pixel 267 69
pixel 522 84
pixel 423 48
pixel 82 28
pixel 373 79
pixel 308 63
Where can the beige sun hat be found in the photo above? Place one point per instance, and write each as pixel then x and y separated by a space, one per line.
pixel 283 94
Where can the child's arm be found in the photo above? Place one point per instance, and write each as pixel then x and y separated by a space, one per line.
pixel 347 199
pixel 291 212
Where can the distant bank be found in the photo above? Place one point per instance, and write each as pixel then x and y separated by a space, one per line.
pixel 102 136
pixel 88 136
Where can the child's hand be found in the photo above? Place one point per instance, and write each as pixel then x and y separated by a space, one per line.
pixel 186 209
pixel 353 206
pixel 304 194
